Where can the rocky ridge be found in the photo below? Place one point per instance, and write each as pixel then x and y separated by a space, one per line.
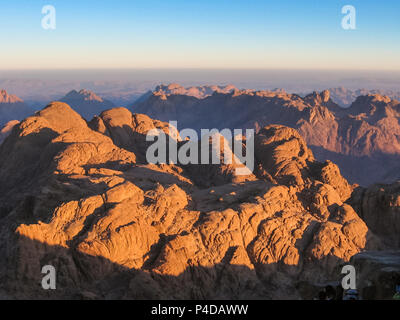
pixel 86 103
pixel 81 197
pixel 359 138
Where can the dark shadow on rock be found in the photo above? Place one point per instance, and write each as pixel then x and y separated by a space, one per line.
pixel 82 276
pixel 26 163
pixel 363 170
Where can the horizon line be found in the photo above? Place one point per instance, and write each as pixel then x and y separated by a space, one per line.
pixel 196 69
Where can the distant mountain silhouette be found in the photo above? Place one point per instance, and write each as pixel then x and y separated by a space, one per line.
pixel 81 197
pixel 12 108
pixel 345 97
pixel 87 103
pixel 198 92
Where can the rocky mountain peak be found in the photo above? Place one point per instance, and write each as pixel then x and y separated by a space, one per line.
pixel 372 99
pixel 87 103
pixel 83 94
pixel 199 92
pixel 8 98
pixel 325 95
pixel 319 98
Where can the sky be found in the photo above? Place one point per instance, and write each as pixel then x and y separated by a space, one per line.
pixel 222 34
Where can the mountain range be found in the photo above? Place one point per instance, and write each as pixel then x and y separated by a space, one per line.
pixel 359 138
pixel 80 196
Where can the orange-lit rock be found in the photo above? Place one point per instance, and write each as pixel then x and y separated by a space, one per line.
pixel 75 197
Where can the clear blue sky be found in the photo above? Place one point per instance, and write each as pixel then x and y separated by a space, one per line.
pixel 292 34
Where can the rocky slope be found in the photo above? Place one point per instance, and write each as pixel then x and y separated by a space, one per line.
pixel 12 108
pixel 80 196
pixel 87 103
pixel 359 138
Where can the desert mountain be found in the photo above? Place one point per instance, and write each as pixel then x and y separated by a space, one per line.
pixel 359 138
pixel 12 108
pixel 87 103
pixel 199 92
pixel 8 98
pixel 81 197
pixel 174 89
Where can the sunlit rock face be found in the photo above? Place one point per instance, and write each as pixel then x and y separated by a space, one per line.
pixel 81 197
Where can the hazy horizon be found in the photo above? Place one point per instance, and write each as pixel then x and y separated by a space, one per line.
pixel 122 49
pixel 124 85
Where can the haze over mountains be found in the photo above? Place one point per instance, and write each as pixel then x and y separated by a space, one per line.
pixel 81 196
pixel 199 92
pixel 345 97
pixel 123 87
pixel 87 103
pixel 12 108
